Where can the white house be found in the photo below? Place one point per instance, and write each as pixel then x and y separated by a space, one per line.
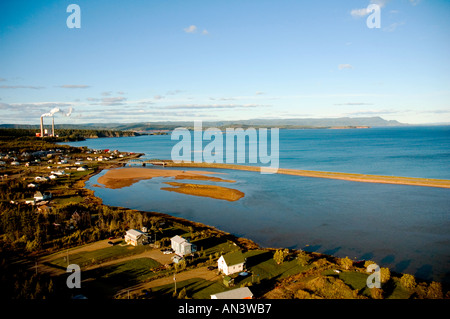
pixel 182 246
pixel 42 196
pixel 135 237
pixel 231 263
pixel 238 293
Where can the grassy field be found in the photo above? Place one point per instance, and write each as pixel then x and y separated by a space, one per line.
pixel 106 281
pixel 196 288
pixel 262 265
pixel 88 258
pixel 357 280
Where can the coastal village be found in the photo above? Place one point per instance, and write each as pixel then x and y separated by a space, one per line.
pixel 126 253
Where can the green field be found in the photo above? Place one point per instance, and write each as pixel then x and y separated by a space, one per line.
pixel 88 258
pixel 262 265
pixel 196 288
pixel 107 281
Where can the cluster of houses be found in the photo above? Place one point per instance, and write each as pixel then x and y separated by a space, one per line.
pixel 110 155
pixel 228 264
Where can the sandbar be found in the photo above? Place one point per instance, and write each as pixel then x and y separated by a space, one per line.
pixel 211 191
pixel 366 178
pixel 124 177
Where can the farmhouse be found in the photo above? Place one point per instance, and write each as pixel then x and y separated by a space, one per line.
pixel 238 293
pixel 231 263
pixel 182 246
pixel 135 237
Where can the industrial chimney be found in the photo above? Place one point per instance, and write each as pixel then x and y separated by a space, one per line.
pixel 53 126
pixel 42 126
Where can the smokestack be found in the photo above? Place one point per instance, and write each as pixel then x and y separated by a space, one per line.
pixel 42 126
pixel 53 126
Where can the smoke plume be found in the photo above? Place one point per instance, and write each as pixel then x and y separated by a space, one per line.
pixel 56 110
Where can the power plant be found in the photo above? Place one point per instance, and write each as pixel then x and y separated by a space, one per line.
pixel 44 132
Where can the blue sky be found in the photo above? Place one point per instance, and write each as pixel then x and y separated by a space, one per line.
pixel 134 61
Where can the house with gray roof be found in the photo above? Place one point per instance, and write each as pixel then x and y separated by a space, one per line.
pixel 182 246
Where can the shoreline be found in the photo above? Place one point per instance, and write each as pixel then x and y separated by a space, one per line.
pixel 354 177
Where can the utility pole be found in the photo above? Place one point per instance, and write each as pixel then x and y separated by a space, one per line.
pixel 175 280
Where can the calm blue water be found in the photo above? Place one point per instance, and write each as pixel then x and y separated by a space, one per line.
pixel 405 228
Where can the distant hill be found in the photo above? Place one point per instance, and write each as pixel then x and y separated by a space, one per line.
pixel 281 123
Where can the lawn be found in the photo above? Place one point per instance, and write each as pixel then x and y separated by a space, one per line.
pixel 262 265
pixel 357 280
pixel 88 258
pixel 196 288
pixel 212 245
pixel 106 281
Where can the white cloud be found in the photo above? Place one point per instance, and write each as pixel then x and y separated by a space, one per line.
pixel 363 12
pixel 205 32
pixel 393 26
pixel 74 86
pixel 213 106
pixel 191 29
pixel 113 100
pixel 21 87
pixel 345 66
pixel 108 101
pixel 354 103
pixel 359 12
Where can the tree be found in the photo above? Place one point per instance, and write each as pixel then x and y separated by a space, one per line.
pixel 346 262
pixel 376 293
pixel 385 274
pixel 303 259
pixel 408 281
pixel 434 291
pixel 278 257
